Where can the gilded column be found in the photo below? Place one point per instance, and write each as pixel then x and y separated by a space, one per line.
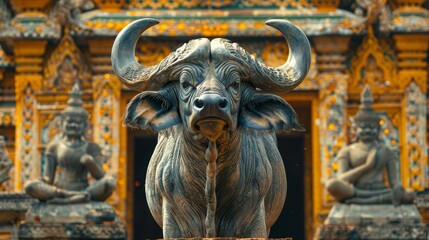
pixel 412 54
pixel 28 80
pixel 107 119
pixel 332 122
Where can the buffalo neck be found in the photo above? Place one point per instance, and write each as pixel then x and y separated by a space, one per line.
pixel 228 146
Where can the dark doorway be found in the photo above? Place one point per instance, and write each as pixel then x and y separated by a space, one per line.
pixel 145 226
pixel 291 221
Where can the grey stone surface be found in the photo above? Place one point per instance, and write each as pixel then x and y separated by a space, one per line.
pixel 92 220
pixel 92 212
pixel 367 168
pixel 71 231
pixel 13 207
pixel 69 161
pixel 386 231
pixel 373 222
pixel 354 214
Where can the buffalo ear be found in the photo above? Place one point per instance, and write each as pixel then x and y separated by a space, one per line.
pixel 151 110
pixel 268 112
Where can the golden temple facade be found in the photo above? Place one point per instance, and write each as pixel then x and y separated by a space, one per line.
pixel 49 45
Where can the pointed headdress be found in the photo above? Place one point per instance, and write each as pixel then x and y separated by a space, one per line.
pixel 75 103
pixel 366 111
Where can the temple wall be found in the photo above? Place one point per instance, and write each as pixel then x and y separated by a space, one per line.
pixel 46 46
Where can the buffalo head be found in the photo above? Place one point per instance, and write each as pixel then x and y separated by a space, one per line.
pixel 210 86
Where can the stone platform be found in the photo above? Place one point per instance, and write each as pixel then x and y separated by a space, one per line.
pixel 373 222
pixel 94 220
pixel 12 210
pixel 13 207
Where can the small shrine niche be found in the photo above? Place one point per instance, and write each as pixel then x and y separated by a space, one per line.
pixel 64 67
pixel 372 73
pixel 372 66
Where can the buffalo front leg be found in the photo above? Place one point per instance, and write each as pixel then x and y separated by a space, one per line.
pixel 170 227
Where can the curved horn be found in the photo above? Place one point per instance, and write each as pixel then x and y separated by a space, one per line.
pixel 130 72
pixel 293 71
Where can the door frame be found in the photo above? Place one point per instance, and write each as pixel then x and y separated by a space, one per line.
pixel 312 173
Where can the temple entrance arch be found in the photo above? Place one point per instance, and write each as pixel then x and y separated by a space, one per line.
pixel 298 151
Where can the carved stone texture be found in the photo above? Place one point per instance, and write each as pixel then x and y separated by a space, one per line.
pixel 13 207
pixel 216 171
pixel 71 160
pixel 373 222
pixel 422 203
pixel 92 212
pixel 93 220
pixel 71 231
pixel 5 162
pixel 360 178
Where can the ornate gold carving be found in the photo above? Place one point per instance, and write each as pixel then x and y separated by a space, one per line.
pixel 7 117
pixel 275 54
pixel 412 57
pixel 64 66
pixel 28 55
pixel 151 53
pixel 372 66
pixel 331 53
pixel 29 6
pixel 111 5
pixel 28 80
pixel 414 174
pixel 326 5
pixel 332 125
pixel 160 4
pixel 26 131
pixel 279 3
pixel 106 96
pixel 407 5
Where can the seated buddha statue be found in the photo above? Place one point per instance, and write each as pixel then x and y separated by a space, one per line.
pixel 70 160
pixel 360 178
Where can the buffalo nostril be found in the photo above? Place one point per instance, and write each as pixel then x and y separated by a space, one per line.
pixel 223 103
pixel 198 103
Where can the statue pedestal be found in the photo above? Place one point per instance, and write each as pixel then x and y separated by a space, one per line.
pixel 373 222
pixel 12 210
pixel 93 220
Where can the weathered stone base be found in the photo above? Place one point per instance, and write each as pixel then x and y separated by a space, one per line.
pixel 373 222
pixel 71 231
pixel 8 231
pixel 371 231
pixel 94 220
pixel 422 203
pixel 13 207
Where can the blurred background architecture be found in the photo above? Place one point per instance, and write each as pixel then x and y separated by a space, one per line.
pixel 49 45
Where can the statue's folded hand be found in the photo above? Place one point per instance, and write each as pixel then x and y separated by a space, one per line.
pixel 86 159
pixel 371 158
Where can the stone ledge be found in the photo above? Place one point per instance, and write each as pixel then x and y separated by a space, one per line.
pixel 373 222
pixel 92 220
pixel 71 231
pixel 91 212
pixel 13 207
pixel 373 214
pixel 370 231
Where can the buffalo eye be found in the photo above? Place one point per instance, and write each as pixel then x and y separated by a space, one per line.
pixel 235 85
pixel 186 85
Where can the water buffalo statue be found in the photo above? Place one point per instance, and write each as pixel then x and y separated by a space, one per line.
pixel 216 170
